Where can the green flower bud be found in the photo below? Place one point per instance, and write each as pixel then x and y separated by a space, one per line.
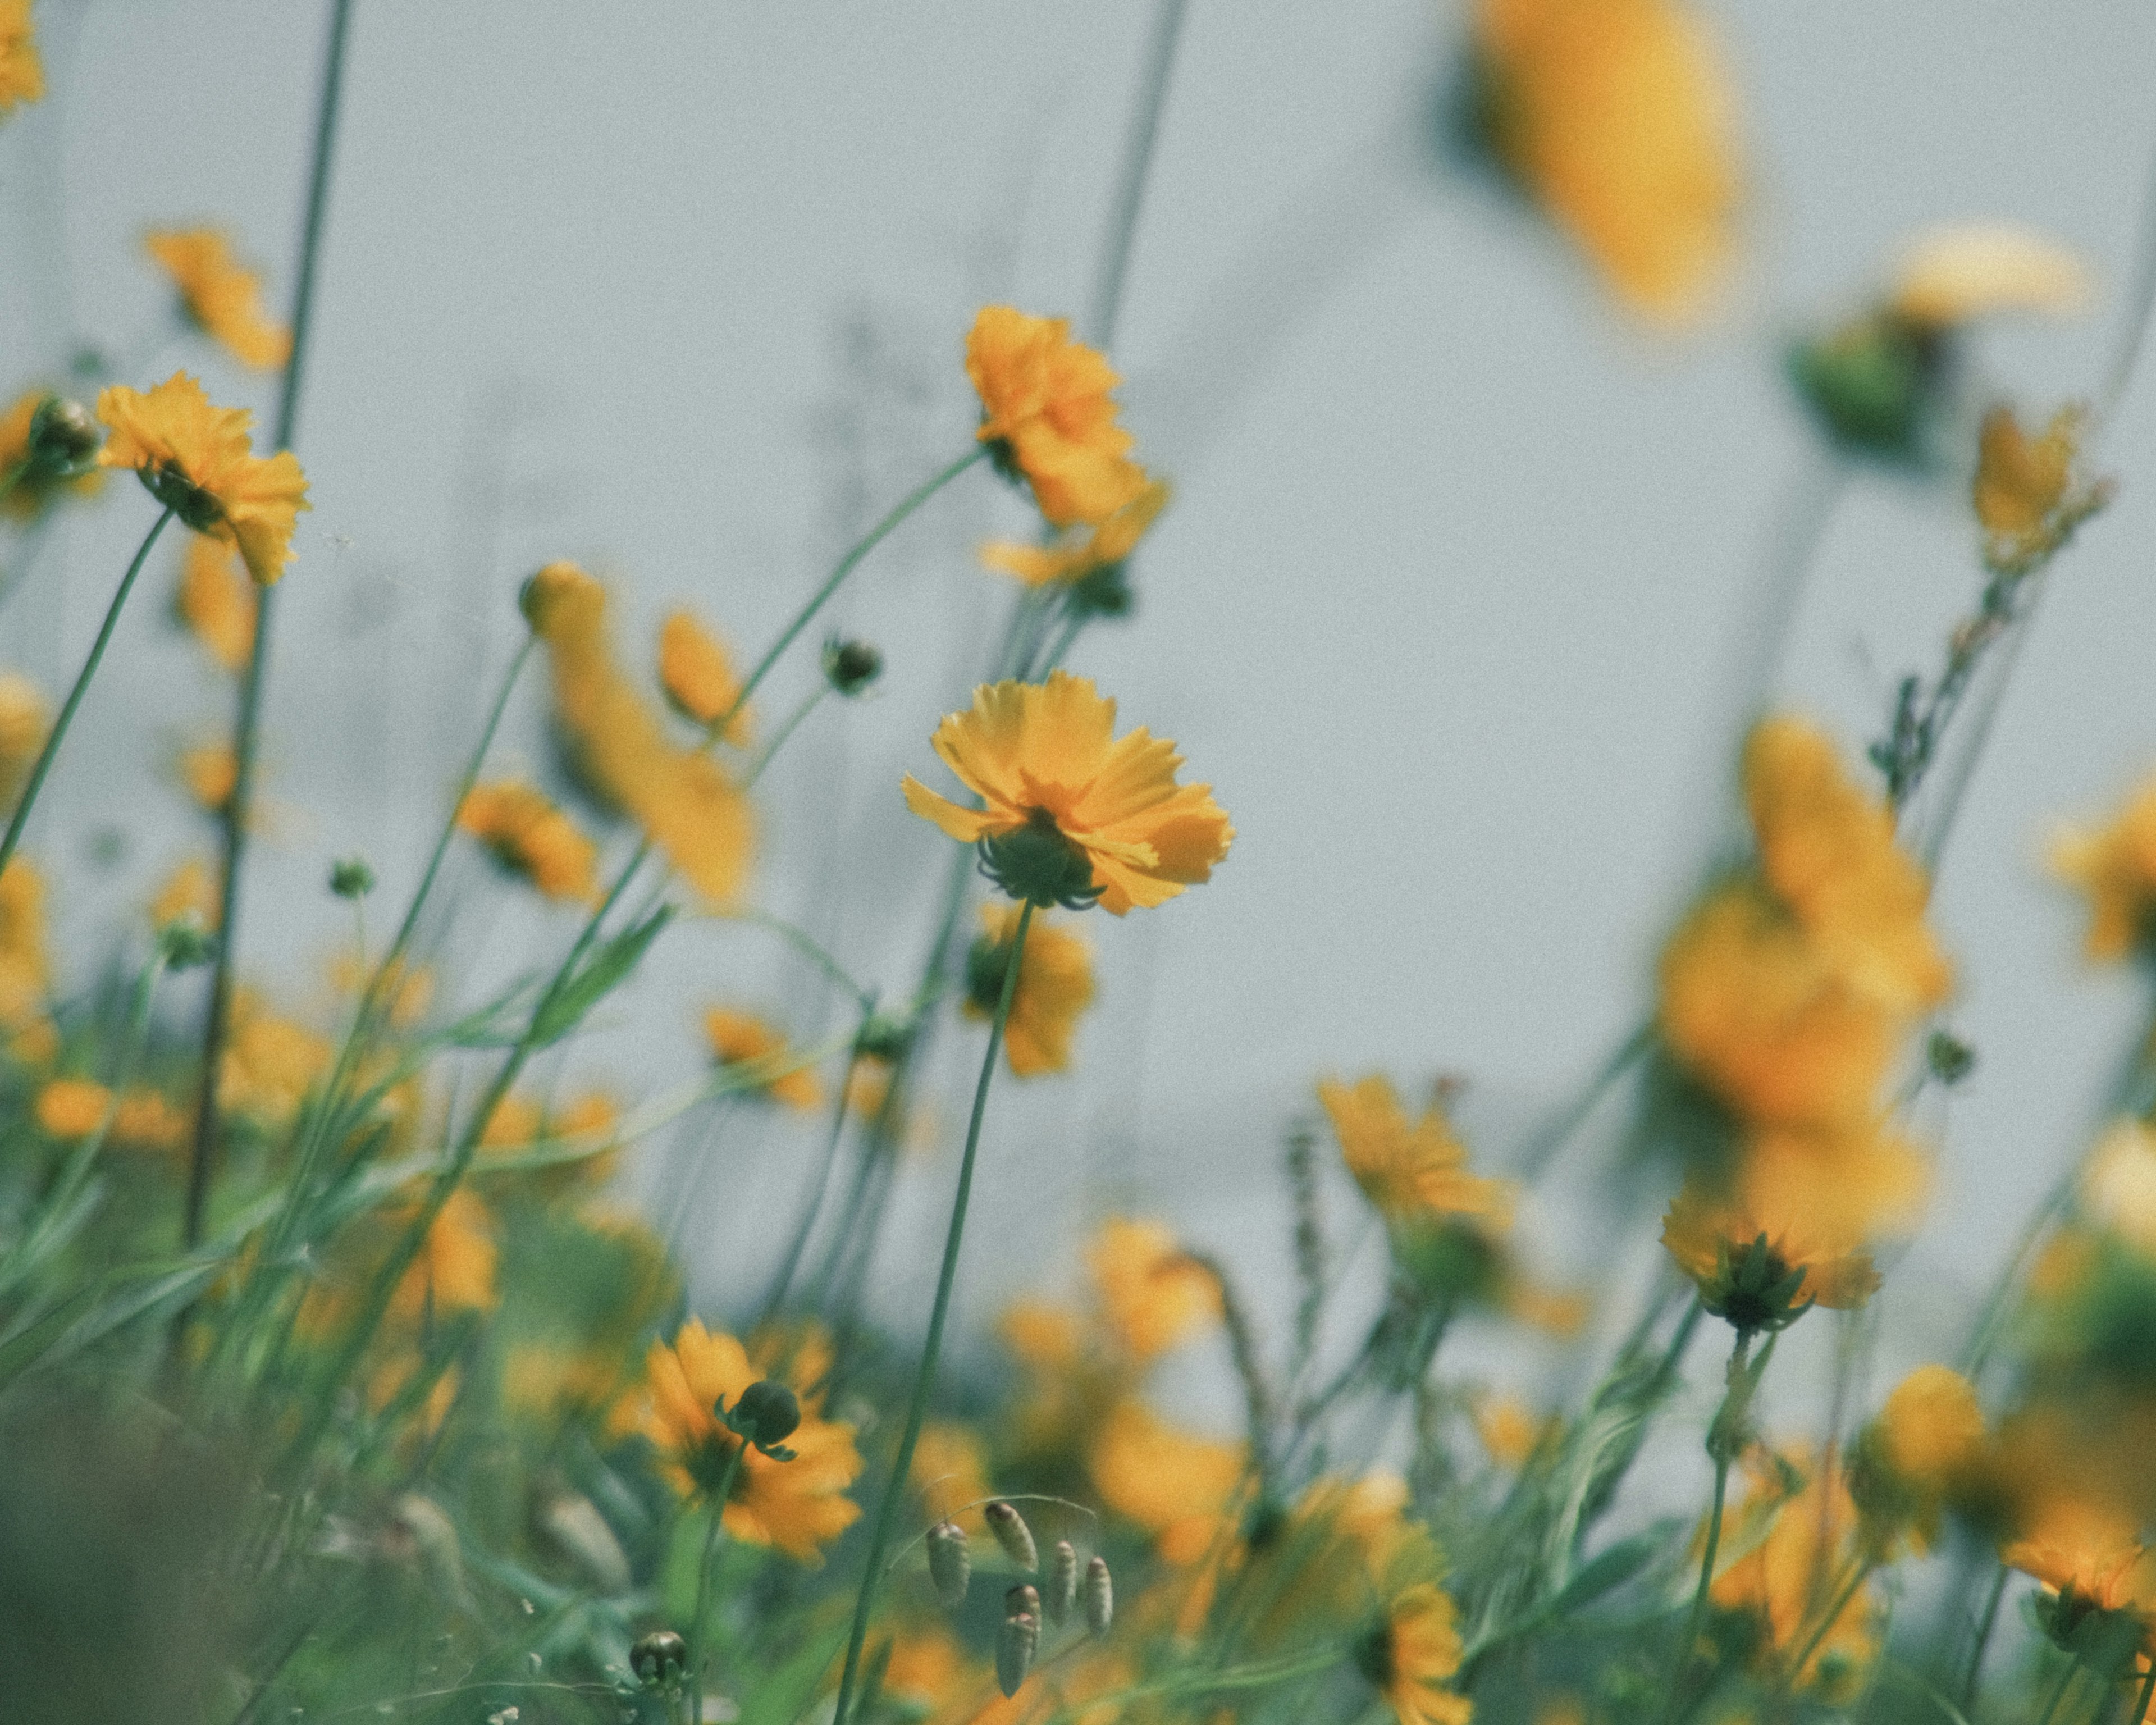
pixel 659 1659
pixel 850 666
pixel 767 1414
pixel 351 878
pixel 63 438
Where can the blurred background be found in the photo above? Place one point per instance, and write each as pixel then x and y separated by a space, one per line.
pixel 1453 607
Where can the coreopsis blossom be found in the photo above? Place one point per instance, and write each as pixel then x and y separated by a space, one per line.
pixel 1081 552
pixel 145 1120
pixel 71 1107
pixel 2115 867
pixel 211 773
pixel 455 1269
pixel 1045 412
pixel 1615 117
pixel 22 73
pixel 1055 986
pixel 1412 1652
pixel 216 604
pixel 798 1506
pixel 1810 1526
pixel 196 460
pixel 1074 815
pixel 685 801
pixel 1154 1295
pixel 270 1063
pixel 739 1037
pixel 31 484
pixel 698 675
pixel 1760 1270
pixel 529 837
pixel 1927 1443
pixel 1955 275
pixel 220 296
pixel 2028 498
pixel 1171 1483
pixel 25 971
pixel 1411 1171
pixel 2099 1583
pixel 1508 1429
pixel 24 720
pixel 189 891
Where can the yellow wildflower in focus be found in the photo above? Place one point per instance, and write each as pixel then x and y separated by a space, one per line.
pixel 950 1473
pixel 22 73
pixel 1154 1294
pixel 24 720
pixel 698 675
pixel 529 837
pixel 1055 986
pixel 1955 275
pixel 455 1271
pixel 796 1505
pixel 1615 116
pixel 215 603
pixel 188 891
pixel 1810 1523
pixel 683 799
pixel 1171 1483
pixel 1079 554
pixel 25 972
pixel 736 1037
pixel 1759 1269
pixel 211 773
pixel 1073 813
pixel 72 1107
pixel 1411 1171
pixel 220 296
pixel 196 460
pixel 33 487
pixel 270 1063
pixel 1411 1653
pixel 1046 413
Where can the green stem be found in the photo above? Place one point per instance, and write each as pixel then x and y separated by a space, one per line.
pixel 779 737
pixel 924 1378
pixel 247 729
pixel 1983 1629
pixel 1138 163
pixel 2147 1693
pixel 695 1649
pixel 58 733
pixel 1794 1676
pixel 1544 1146
pixel 1721 1444
pixel 2059 1691
pixel 813 1206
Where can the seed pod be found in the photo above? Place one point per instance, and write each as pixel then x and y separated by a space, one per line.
pixel 1100 1596
pixel 1023 1600
pixel 950 1564
pixel 1012 1534
pixel 1062 1581
pixel 1015 1649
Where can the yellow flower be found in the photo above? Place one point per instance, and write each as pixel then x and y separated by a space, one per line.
pixel 72 1107
pixel 529 836
pixel 698 676
pixel 1171 1483
pixel 2118 1186
pixel 1955 275
pixel 1055 986
pixel 1079 554
pixel 738 1036
pixel 683 800
pixel 927 1669
pixel 270 1063
pixel 2025 495
pixel 22 73
pixel 1046 411
pixel 211 773
pixel 796 1505
pixel 1411 1171
pixel 521 1122
pixel 2115 867
pixel 1153 1293
pixel 145 1120
pixel 455 1271
pixel 1508 1429
pixel 220 296
pixel 1932 1429
pixel 1615 116
pixel 215 602
pixel 1810 1523
pixel 25 972
pixel 34 487
pixel 196 460
pixel 24 719
pixel 1760 1268
pixel 1073 813
pixel 951 1473
pixel 188 891
pixel 1410 1655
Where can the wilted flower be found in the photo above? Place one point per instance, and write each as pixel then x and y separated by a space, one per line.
pixel 529 836
pixel 220 296
pixel 1055 986
pixel 196 460
pixel 1046 413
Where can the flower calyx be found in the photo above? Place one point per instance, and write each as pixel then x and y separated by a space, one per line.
pixel 1039 863
pixel 1753 1289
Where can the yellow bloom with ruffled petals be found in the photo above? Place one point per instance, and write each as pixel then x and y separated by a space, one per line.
pixel 1099 815
pixel 1055 986
pixel 531 838
pixel 1046 411
pixel 220 295
pixel 1155 1295
pixel 22 73
pixel 1411 1654
pixel 197 461
pixel 1410 1170
pixel 1079 554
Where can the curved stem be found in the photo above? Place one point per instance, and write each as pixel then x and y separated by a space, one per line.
pixel 1983 1628
pixel 1137 165
pixel 58 733
pixel 813 1206
pixel 924 1378
pixel 794 719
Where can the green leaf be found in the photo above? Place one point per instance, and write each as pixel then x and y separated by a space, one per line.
pixel 1611 1568
pixel 607 970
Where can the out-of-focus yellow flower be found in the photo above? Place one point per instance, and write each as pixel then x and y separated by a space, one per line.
pixel 219 294
pixel 548 1382
pixel 1074 813
pixel 686 803
pixel 1615 117
pixel 72 1107
pixel 2027 497
pixel 2119 1185
pixel 1508 1429
pixel 2115 867
pixel 1759 1270
pixel 2099 1581
pixel 1787 1576
pixel 145 1120
pixel 1055 986
pixel 1173 1484
pixel 1047 1337
pixel 215 603
pixel 796 1505
pixel 1046 411
pixel 1153 1293
pixel 1411 1171
pixel 393 1374
pixel 25 972
pixel 529 836
pixel 736 1037
pixel 951 1473
pixel 455 1271
pixel 406 993
pixel 22 73
pixel 1080 553
pixel 1955 275
pixel 521 1122
pixel 188 891
pixel 196 460
pixel 35 488
pixel 1411 1653
pixel 1926 1444
pixel 927 1669
pixel 24 720
pixel 697 674
pixel 211 773
pixel 270 1063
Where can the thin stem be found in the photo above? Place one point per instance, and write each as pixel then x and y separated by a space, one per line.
pixel 1721 1444
pixel 58 733
pixel 1137 164
pixel 1544 1146
pixel 779 737
pixel 2140 300
pixel 2147 1693
pixel 695 1649
pixel 813 1207
pixel 924 1378
pixel 1983 1628
pixel 247 729
pixel 1839 1603
pixel 2059 1691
